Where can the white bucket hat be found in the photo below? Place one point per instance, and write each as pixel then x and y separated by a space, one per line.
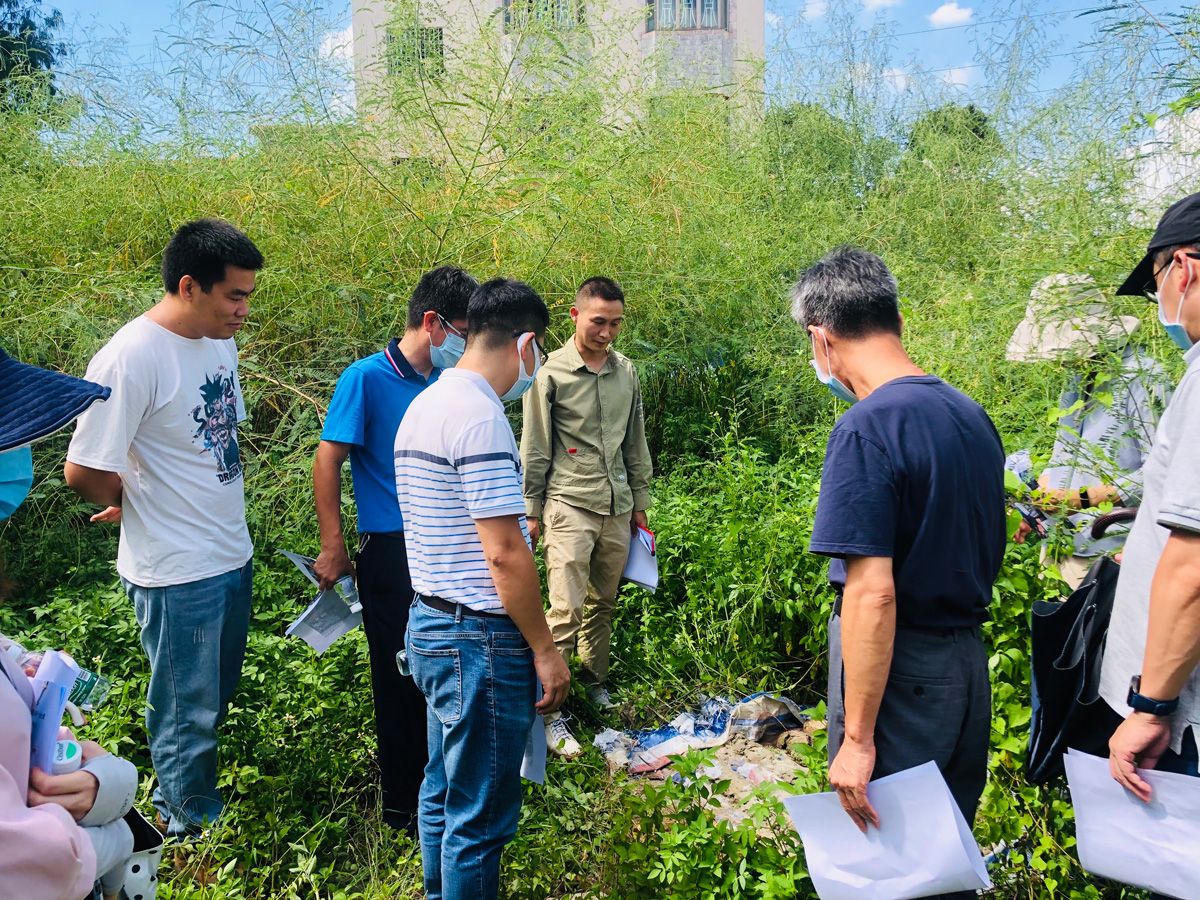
pixel 1068 317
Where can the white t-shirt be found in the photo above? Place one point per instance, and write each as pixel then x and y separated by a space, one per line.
pixel 456 461
pixel 170 430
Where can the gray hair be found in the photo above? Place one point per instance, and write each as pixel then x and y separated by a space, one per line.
pixel 850 292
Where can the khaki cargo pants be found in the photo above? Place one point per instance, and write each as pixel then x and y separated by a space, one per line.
pixel 585 555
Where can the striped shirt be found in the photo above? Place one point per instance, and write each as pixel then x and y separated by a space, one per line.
pixel 456 461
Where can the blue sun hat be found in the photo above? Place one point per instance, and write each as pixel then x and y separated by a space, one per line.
pixel 35 403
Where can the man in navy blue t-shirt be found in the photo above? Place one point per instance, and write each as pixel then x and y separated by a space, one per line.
pixel 371 398
pixel 912 510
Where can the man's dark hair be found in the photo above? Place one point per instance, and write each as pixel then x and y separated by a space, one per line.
pixel 504 308
pixel 850 292
pixel 600 288
pixel 204 249
pixel 446 290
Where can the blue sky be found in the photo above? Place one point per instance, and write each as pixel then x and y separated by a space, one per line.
pixel 942 34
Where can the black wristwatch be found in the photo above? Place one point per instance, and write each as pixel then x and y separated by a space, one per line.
pixel 1145 704
pixel 1085 502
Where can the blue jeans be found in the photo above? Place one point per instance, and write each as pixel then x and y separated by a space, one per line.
pixel 195 637
pixel 478 679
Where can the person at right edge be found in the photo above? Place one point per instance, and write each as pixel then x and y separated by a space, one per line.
pixel 587 486
pixel 912 510
pixel 1149 673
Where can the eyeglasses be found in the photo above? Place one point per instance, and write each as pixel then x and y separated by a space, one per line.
pixel 1151 288
pixel 450 328
pixel 542 354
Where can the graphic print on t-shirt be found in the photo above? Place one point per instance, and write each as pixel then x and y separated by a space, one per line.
pixel 217 421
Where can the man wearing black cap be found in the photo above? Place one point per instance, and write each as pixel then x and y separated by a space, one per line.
pixel 1150 671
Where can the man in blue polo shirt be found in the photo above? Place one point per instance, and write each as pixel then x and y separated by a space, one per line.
pixel 912 510
pixel 371 398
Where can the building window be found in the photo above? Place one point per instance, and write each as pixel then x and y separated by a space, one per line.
pixel 416 51
pixel 685 14
pixel 556 13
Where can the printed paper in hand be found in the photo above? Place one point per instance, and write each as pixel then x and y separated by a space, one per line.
pixel 533 763
pixel 304 564
pixel 1153 845
pixel 642 566
pixel 326 619
pixel 51 686
pixel 923 845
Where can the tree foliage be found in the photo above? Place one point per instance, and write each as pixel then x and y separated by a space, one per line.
pixel 29 48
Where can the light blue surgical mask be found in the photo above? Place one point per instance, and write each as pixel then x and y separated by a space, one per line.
pixel 1175 330
pixel 835 385
pixel 452 349
pixel 16 478
pixel 524 379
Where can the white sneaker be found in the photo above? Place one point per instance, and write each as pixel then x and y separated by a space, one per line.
pixel 560 741
pixel 599 695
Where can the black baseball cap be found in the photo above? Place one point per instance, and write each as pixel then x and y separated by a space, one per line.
pixel 1180 224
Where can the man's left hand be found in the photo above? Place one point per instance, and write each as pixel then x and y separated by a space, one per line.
pixel 1138 743
pixel 108 516
pixel 849 774
pixel 639 520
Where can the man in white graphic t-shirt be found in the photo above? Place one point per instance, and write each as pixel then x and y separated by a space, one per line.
pixel 162 458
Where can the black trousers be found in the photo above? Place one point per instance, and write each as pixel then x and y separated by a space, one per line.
pixel 386 592
pixel 937 706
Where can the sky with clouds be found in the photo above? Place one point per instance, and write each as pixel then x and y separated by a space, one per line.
pixel 940 36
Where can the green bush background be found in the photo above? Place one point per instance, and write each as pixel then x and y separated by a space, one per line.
pixel 706 218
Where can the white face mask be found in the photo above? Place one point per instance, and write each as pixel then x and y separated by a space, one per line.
pixel 835 385
pixel 524 379
pixel 1175 330
pixel 452 349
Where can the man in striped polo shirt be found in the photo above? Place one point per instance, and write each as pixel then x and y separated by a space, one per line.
pixel 477 637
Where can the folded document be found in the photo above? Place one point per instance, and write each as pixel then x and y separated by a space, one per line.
pixel 642 565
pixel 1153 845
pixel 922 846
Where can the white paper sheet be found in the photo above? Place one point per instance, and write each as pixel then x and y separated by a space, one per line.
pixel 304 564
pixel 533 763
pixel 922 846
pixel 1153 845
pixel 642 566
pixel 326 619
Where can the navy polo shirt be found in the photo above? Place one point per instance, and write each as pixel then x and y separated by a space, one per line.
pixel 914 472
pixel 368 404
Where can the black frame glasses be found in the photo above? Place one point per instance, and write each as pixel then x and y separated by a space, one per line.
pixel 1151 288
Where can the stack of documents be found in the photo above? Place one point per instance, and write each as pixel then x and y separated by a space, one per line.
pixel 642 565
pixel 922 846
pixel 1153 845
pixel 327 618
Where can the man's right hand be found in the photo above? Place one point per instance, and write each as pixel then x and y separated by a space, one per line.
pixel 332 564
pixel 535 531
pixel 555 678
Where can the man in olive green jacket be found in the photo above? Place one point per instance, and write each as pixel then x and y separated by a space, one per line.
pixel 587 484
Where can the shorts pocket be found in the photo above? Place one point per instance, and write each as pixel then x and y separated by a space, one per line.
pixel 438 675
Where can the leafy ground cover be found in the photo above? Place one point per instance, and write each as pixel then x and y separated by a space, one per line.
pixel 706 217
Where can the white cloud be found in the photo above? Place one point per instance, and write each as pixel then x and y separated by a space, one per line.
pixel 897 78
pixel 773 19
pixel 880 4
pixel 950 14
pixel 959 76
pixel 338 44
pixel 814 9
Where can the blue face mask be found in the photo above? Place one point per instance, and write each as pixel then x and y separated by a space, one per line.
pixel 835 385
pixel 451 351
pixel 1176 331
pixel 16 477
pixel 524 380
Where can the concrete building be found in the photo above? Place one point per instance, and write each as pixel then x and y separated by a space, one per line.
pixel 640 47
